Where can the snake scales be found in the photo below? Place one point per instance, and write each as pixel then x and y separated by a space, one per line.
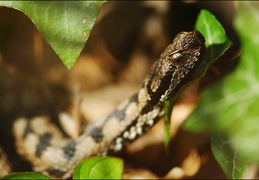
pixel 43 145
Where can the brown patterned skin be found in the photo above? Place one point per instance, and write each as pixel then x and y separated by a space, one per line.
pixel 41 143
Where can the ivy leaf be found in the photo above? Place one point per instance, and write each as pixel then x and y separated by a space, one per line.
pixel 216 40
pixel 208 25
pixel 230 107
pixel 25 175
pixel 99 168
pixel 227 157
pixel 206 22
pixel 65 25
pixel 214 48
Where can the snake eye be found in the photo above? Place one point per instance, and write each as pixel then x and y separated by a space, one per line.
pixel 178 58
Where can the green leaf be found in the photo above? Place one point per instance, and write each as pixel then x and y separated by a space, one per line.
pixel 208 25
pixel 99 168
pixel 227 157
pixel 230 107
pixel 65 25
pixel 213 49
pixel 26 175
pixel 211 28
pixel 216 40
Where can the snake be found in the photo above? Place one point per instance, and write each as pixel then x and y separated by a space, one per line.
pixel 42 144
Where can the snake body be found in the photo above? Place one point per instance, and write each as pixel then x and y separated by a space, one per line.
pixel 41 143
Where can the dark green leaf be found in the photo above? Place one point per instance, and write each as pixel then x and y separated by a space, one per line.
pixel 26 175
pixel 227 157
pixel 65 25
pixel 99 168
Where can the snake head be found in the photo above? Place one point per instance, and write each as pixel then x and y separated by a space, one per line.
pixel 180 59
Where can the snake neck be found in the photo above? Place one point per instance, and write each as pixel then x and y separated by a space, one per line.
pixel 128 121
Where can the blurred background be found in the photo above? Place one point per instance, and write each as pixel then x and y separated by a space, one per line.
pixel 126 39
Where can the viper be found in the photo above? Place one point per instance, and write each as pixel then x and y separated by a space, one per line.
pixel 41 143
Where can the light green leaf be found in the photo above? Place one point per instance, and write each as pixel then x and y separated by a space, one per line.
pixel 26 175
pixel 213 49
pixel 99 168
pixel 230 107
pixel 207 24
pixel 216 40
pixel 65 25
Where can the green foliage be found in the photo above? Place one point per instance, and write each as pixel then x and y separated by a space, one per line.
pixel 208 25
pixel 211 28
pixel 216 40
pixel 227 157
pixel 26 175
pixel 214 48
pixel 65 25
pixel 229 109
pixel 99 168
pixel 92 168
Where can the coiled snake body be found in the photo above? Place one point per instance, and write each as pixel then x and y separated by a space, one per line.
pixel 50 153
